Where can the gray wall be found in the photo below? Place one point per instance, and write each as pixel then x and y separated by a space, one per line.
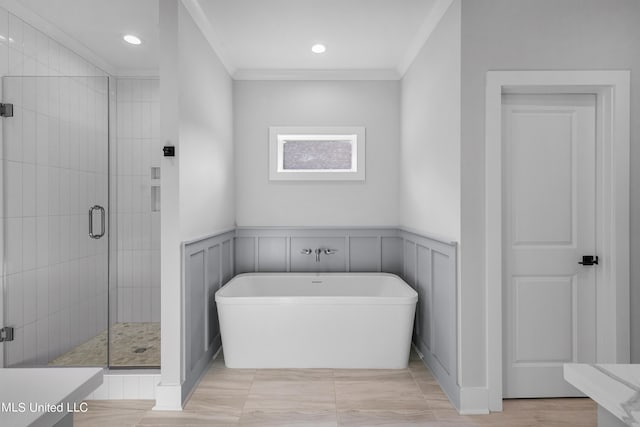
pixel 206 146
pixel 534 35
pixel 372 104
pixel 430 151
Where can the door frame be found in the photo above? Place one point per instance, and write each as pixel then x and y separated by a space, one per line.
pixel 612 89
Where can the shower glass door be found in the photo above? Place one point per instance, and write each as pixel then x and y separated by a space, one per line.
pixel 55 162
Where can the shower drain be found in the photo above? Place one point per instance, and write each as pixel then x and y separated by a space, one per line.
pixel 140 350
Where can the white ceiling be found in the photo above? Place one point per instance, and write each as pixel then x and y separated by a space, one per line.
pixel 94 29
pixel 253 36
pixel 278 34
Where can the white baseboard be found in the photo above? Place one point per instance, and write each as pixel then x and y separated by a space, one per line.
pixel 474 401
pixel 168 397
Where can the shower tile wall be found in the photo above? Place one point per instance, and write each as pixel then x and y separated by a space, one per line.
pixel 138 215
pixel 47 189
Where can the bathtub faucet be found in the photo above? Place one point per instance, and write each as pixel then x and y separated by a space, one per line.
pixel 325 251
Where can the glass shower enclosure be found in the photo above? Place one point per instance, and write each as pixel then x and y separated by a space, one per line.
pixel 59 281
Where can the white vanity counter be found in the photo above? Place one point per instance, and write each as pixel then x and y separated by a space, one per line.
pixel 44 396
pixel 615 388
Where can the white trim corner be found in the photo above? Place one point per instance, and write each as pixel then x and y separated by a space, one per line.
pixel 168 397
pixel 474 401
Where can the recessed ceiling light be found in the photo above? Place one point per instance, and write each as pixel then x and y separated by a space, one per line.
pixel 318 48
pixel 131 39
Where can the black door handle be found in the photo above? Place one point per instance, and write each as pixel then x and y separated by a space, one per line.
pixel 589 260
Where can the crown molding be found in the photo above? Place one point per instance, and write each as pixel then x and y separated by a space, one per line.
pixel 426 29
pixel 195 10
pixel 200 18
pixel 138 72
pixel 315 74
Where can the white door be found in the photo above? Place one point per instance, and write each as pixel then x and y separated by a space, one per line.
pixel 549 222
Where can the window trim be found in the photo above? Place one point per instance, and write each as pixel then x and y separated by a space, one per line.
pixel 279 134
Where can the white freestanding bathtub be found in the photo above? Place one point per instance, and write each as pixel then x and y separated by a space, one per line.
pixel 316 320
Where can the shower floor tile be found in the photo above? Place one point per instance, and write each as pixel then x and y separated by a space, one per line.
pixel 132 344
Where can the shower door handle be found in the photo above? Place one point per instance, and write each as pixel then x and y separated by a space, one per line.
pixel 102 226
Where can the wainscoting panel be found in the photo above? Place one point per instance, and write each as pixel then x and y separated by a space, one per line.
pixel 423 287
pixel 214 276
pixel 207 265
pixel 410 255
pixel 430 266
pixel 226 261
pixel 272 254
pixel 442 303
pixel 364 254
pixel 280 249
pixel 391 249
pixel 246 255
pixel 195 312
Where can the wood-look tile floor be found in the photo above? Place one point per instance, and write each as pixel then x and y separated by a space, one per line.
pixel 331 397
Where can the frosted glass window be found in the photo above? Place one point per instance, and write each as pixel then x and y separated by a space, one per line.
pixel 316 153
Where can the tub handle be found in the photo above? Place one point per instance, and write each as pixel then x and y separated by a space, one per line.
pixel 306 251
pixel 330 251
